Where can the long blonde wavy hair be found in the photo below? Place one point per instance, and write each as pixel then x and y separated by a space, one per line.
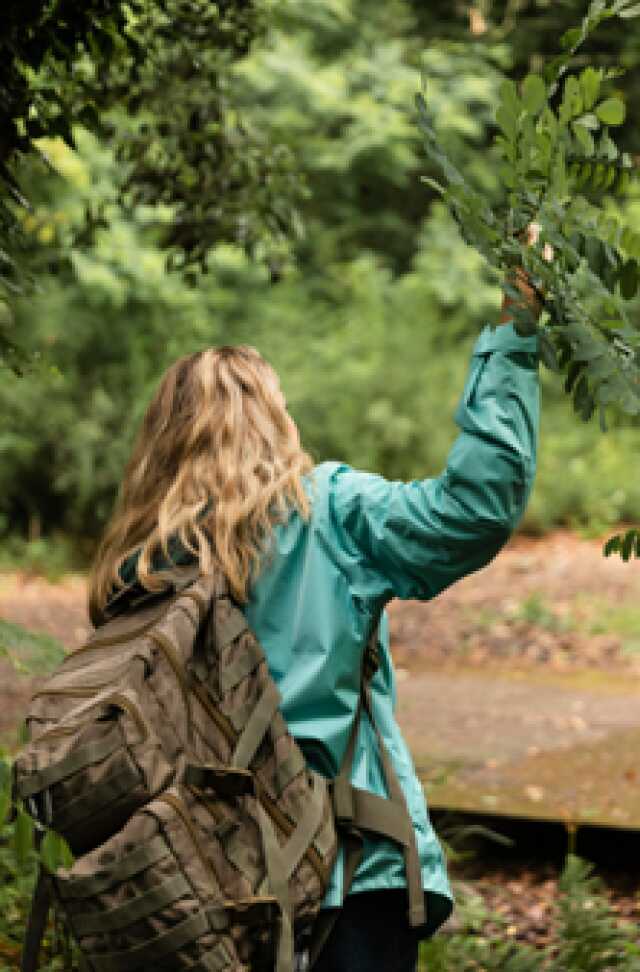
pixel 217 462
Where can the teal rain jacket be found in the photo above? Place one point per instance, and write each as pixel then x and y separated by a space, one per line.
pixel 368 540
pixel 326 581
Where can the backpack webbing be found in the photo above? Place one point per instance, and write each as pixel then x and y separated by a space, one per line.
pixel 358 810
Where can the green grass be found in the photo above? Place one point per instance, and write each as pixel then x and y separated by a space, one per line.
pixel 621 619
pixel 28 651
pixel 49 557
pixel 534 610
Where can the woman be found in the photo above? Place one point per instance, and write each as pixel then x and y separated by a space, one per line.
pixel 313 555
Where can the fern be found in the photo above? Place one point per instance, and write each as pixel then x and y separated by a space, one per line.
pixel 590 940
pixel 587 938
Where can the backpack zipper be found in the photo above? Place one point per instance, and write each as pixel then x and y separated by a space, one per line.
pixel 72 693
pixel 114 639
pixel 117 700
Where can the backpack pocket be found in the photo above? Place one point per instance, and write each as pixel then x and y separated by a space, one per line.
pixel 85 777
pixel 149 898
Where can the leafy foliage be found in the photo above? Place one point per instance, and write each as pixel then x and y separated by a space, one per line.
pixel 19 861
pixel 370 373
pixel 28 652
pixel 556 158
pixel 153 78
pixel 588 938
pixel 369 326
pixel 626 544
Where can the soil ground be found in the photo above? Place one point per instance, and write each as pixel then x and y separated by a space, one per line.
pixel 518 691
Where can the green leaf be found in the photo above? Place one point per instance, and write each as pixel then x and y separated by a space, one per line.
pixel 570 38
pixel 612 545
pixel 54 852
pixel 583 400
pixel 548 353
pixel 589 121
pixel 534 93
pixel 631 241
pixel 629 279
pixel 607 147
pixel 585 138
pixel 595 254
pixel 575 369
pixel 509 96
pixel 599 175
pixel 629 12
pixel 610 177
pixel 602 415
pixel 22 836
pixel 5 804
pixel 629 545
pixel 507 121
pixel 612 111
pixel 585 173
pixel 623 182
pixel 572 98
pixel 508 176
pixel 590 81
pixel 49 851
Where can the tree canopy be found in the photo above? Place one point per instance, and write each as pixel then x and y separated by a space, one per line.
pixel 153 80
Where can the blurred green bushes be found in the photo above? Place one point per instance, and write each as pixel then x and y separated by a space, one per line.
pixel 369 319
pixel 372 366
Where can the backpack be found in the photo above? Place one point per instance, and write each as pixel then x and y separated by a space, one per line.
pixel 202 840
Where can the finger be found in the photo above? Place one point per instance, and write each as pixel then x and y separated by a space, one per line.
pixel 533 233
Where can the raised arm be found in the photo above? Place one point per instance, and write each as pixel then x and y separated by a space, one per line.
pixel 419 537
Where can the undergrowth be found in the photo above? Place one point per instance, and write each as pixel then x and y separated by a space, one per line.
pixel 588 936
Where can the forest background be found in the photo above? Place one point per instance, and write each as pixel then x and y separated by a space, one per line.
pixel 332 257
pixel 182 173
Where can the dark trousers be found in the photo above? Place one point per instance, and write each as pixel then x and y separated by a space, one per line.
pixel 372 934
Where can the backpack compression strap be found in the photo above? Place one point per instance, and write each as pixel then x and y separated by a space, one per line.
pixel 358 810
pixel 38 915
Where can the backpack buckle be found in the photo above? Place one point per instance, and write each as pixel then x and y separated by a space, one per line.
pixel 342 799
pixel 224 781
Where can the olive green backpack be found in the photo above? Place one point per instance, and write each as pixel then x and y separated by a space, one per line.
pixel 202 840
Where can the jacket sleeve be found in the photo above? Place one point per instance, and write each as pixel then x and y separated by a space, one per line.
pixel 422 536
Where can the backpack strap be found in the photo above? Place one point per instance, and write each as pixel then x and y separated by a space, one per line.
pixel 38 915
pixel 358 810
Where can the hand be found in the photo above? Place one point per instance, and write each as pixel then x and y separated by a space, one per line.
pixel 522 282
pixel 521 279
